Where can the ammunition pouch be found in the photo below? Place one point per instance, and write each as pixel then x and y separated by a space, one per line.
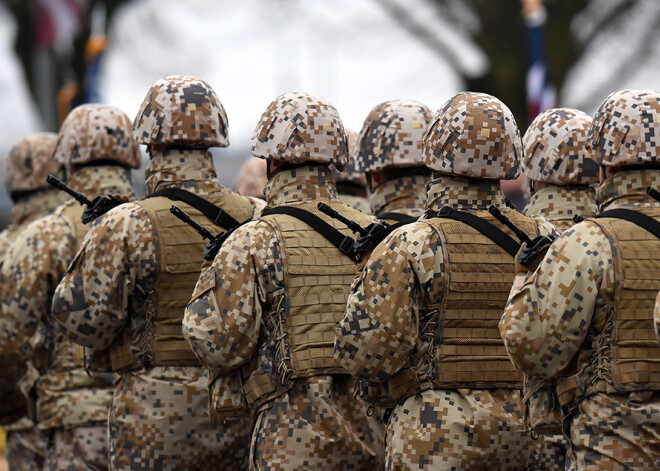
pixel 543 409
pixel 226 397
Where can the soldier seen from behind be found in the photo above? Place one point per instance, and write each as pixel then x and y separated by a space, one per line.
pixel 267 308
pixel 126 291
pixel 96 145
pixel 351 182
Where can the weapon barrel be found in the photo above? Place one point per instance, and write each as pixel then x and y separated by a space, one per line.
pixel 60 185
pixel 653 193
pixel 499 215
pixel 334 214
pixel 185 217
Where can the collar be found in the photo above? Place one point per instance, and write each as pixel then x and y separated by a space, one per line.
pixel 627 188
pixel 554 202
pixel 190 169
pixel 464 194
pixel 300 184
pixel 399 195
pixel 98 180
pixel 36 205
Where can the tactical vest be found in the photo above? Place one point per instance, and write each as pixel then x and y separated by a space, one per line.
pixel 459 344
pixel 626 355
pixel 302 320
pixel 179 257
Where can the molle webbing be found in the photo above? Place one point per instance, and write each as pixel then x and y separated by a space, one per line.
pixel 633 346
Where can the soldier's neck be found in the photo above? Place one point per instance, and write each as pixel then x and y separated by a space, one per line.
pixel 627 188
pixel 190 169
pixel 300 184
pixel 96 180
pixel 36 205
pixel 464 194
pixel 399 195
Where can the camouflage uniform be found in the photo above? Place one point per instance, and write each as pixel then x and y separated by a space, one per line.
pixel 126 290
pixel 71 406
pixel 583 318
pixel 352 183
pixel 391 138
pixel 422 316
pixel 28 164
pixel 267 307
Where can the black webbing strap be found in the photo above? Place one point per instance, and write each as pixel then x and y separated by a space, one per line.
pixel 342 242
pixel 494 233
pixel 217 215
pixel 640 219
pixel 398 217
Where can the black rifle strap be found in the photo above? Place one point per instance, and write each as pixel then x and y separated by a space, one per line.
pixel 640 219
pixel 217 215
pixel 342 242
pixel 494 233
pixel 397 217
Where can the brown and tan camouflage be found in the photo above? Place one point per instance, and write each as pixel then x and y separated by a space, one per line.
pixel 298 127
pixel 78 448
pixel 109 297
pixel 30 161
pixel 96 132
pixel 350 174
pixel 403 195
pixel 440 428
pixel 552 326
pixel 182 111
pixel 558 204
pixel 473 135
pixel 555 149
pixel 624 129
pixel 26 450
pixel 315 422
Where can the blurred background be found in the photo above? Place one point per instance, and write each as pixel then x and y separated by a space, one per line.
pixel 57 54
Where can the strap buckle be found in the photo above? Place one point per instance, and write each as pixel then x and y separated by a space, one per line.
pixel 346 246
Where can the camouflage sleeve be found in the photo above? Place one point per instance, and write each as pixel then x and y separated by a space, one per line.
pixel 379 329
pixel 546 318
pixel 91 301
pixel 222 321
pixel 32 267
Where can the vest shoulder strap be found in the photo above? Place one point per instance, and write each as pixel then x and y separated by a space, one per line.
pixel 343 242
pixel 494 233
pixel 640 219
pixel 216 214
pixel 399 217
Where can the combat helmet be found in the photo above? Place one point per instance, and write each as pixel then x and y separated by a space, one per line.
pixel 30 161
pixel 299 127
pixel 182 111
pixel 625 129
pixel 555 149
pixel 96 132
pixel 350 174
pixel 473 135
pixel 391 136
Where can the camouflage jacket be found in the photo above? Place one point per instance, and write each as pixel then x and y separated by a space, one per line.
pixel 558 204
pixel 33 266
pixel 405 195
pixel 404 274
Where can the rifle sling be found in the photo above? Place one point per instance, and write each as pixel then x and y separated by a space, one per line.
pixel 494 233
pixel 637 218
pixel 217 215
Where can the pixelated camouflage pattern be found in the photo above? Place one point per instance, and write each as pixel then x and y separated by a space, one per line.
pixel 66 395
pixel 404 195
pixel 252 178
pixel 299 127
pixel 26 450
pixel 558 204
pixel 356 202
pixel 625 129
pixel 96 132
pixel 350 174
pixel 78 448
pixel 544 337
pixel 158 415
pixel 318 423
pixel 30 161
pixel 391 136
pixel 555 149
pixel 182 111
pixel 473 135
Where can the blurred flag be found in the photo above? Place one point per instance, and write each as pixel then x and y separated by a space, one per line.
pixel 541 93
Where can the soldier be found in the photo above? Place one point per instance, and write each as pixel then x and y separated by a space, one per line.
pixel 352 183
pixel 422 316
pixel 584 317
pixel 96 146
pixel 127 289
pixel 252 178
pixel 389 150
pixel 268 306
pixel 558 167
pixel 28 164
